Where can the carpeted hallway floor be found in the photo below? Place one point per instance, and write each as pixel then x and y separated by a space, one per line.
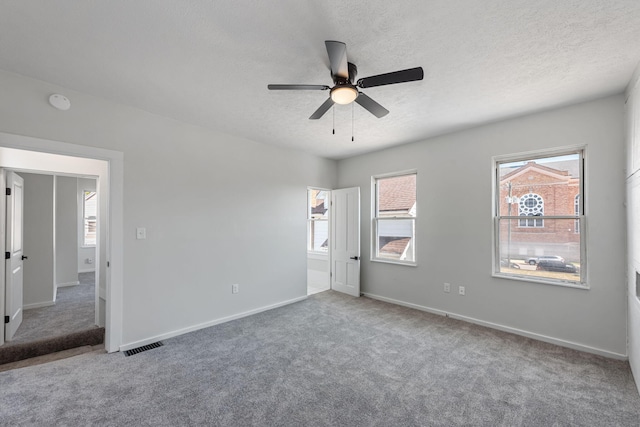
pixel 73 311
pixel 329 360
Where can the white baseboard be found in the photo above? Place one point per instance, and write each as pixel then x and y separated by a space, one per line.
pixel 64 285
pixel 175 333
pixel 533 335
pixel 38 305
pixel 90 270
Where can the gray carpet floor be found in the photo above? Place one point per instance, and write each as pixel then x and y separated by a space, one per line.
pixel 331 360
pixel 74 311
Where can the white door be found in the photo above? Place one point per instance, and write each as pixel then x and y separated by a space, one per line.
pixel 15 255
pixel 345 241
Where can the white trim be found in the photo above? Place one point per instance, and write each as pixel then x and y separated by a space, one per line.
pixel 92 270
pixel 323 256
pixel 541 280
pixel 193 328
pixel 533 335
pixel 396 262
pixel 398 173
pixel 38 305
pixel 64 285
pixel 539 154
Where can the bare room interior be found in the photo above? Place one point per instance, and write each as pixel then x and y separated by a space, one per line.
pixel 320 213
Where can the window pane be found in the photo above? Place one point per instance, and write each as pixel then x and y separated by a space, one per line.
pixel 539 187
pixel 90 218
pixel 551 252
pixel 318 235
pixel 396 196
pixel 318 204
pixel 395 239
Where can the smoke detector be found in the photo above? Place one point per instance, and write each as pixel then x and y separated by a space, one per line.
pixel 60 102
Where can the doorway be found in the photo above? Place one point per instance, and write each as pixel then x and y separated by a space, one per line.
pixel 318 265
pixel 28 154
pixel 58 292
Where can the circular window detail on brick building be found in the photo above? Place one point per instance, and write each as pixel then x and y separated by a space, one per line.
pixel 531 205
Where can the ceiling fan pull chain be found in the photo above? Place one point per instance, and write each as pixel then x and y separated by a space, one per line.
pixel 352 139
pixel 334 120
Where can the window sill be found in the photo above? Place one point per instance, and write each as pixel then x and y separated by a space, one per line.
pixel 542 281
pixel 87 247
pixel 390 261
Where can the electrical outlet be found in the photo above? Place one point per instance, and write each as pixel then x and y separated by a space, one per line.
pixel 447 287
pixel 235 288
pixel 461 290
pixel 141 233
pixel 88 261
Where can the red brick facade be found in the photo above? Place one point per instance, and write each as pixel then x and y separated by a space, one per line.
pixel 551 192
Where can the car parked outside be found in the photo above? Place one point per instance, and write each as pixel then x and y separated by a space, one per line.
pixel 505 263
pixel 535 260
pixel 555 265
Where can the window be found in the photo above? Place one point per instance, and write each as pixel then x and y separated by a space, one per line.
pixel 531 205
pixel 89 214
pixel 539 215
pixel 394 222
pixel 317 220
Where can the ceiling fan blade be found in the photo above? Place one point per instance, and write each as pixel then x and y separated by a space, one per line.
pixel 298 87
pixel 337 52
pixel 372 106
pixel 323 109
pixel 410 75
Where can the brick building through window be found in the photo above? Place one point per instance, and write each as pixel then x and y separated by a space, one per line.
pixel 540 189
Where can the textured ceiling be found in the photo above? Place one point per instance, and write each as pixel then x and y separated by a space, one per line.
pixel 209 63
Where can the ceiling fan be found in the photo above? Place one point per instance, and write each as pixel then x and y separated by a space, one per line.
pixel 344 90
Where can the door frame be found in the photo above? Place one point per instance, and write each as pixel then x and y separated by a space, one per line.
pixel 28 154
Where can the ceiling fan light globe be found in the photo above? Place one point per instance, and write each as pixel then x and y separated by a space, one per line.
pixel 344 94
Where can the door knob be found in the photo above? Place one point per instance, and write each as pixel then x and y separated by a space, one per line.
pixel 24 257
pixel 354 257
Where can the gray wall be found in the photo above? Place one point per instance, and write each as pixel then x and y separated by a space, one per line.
pixel 66 236
pixel 633 218
pixel 217 209
pixel 38 287
pixel 454 227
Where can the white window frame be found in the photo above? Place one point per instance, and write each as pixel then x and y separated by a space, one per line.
pixel 581 150
pixel 374 220
pixel 310 221
pixel 577 209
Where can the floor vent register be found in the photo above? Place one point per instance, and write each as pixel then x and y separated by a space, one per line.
pixel 143 348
